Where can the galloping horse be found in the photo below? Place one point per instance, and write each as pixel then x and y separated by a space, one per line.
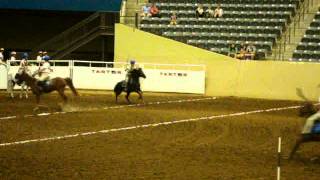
pixel 132 86
pixel 306 111
pixel 55 84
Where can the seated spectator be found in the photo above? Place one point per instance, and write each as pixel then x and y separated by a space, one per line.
pixel 233 50
pixel 200 11
pixel 210 11
pixel 154 11
pixel 242 51
pixel 173 19
pixel 145 11
pixel 250 52
pixel 218 12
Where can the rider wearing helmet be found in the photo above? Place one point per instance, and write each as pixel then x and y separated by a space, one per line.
pixel 22 67
pixel 24 62
pixel 128 75
pixel 44 71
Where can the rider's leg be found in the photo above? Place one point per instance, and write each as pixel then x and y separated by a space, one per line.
pixel 42 79
pixel 310 122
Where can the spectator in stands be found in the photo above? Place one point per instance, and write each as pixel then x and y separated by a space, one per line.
pixel 200 11
pixel 233 50
pixel 173 19
pixel 210 11
pixel 154 11
pixel 218 12
pixel 1 55
pixel 250 52
pixel 241 51
pixel 145 11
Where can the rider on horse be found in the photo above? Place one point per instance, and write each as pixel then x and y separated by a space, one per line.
pixel 22 67
pixel 44 71
pixel 128 75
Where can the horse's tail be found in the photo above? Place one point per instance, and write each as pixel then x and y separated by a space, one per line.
pixel 118 87
pixel 71 86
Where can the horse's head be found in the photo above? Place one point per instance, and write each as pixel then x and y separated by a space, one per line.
pixel 139 73
pixel 307 110
pixel 22 75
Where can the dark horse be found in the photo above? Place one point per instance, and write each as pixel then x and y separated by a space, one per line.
pixel 306 111
pixel 132 86
pixel 55 84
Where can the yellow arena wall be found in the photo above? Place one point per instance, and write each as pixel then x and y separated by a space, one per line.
pixel 225 76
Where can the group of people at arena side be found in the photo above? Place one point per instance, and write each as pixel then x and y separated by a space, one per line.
pixel 44 67
pixel 242 51
pixel 209 12
pixel 153 11
pixel 150 10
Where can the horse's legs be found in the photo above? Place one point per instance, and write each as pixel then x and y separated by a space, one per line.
pixel 295 148
pixel 26 91
pixel 117 94
pixel 38 98
pixel 127 96
pixel 11 85
pixel 63 96
pixel 140 95
pixel 21 91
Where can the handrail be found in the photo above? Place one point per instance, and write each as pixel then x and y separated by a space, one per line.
pixel 70 30
pixel 79 38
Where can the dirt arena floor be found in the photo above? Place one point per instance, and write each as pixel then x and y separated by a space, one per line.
pixel 170 136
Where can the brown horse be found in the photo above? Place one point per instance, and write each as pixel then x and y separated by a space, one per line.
pixel 306 111
pixel 55 84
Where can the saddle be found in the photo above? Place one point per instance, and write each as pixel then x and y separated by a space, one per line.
pixel 43 85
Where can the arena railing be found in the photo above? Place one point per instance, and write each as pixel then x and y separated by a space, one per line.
pixel 123 64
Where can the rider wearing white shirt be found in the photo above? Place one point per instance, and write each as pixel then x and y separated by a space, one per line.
pixel 45 70
pixel 22 67
pixel 24 62
pixel 128 74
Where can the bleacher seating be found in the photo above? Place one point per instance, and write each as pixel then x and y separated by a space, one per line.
pixel 260 22
pixel 309 47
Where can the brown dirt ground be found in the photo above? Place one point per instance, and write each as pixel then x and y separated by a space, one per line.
pixel 241 147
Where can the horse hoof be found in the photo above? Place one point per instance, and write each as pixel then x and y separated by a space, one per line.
pixel 36 109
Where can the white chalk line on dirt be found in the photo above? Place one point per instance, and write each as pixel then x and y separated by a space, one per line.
pixel 146 125
pixel 111 107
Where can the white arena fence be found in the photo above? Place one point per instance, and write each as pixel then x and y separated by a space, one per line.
pixel 97 75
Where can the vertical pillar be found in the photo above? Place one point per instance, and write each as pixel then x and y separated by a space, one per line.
pixel 103 49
